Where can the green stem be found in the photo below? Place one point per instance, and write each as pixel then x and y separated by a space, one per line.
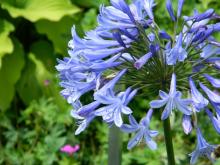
pixel 115 146
pixel 168 141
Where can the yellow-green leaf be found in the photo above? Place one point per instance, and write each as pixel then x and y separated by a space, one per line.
pixel 6 45
pixel 34 10
pixel 58 32
pixel 9 74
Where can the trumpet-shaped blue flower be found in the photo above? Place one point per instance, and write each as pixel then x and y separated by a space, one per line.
pixel 148 6
pixel 142 131
pixel 172 101
pixel 143 60
pixel 215 82
pixel 170 10
pixel 215 120
pixel 212 96
pixel 209 51
pixel 177 53
pixel 199 17
pixel 186 123
pixel 198 100
pixel 164 35
pixel 116 105
pixel 84 115
pixel 202 149
pixel 180 6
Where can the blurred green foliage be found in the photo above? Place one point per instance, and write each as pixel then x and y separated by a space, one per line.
pixel 34 118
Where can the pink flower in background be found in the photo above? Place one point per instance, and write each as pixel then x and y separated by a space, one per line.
pixel 70 149
pixel 46 82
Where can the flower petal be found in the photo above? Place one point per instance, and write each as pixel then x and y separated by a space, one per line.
pixel 117 118
pixel 167 111
pixel 186 123
pixel 215 82
pixel 212 96
pixel 132 120
pixel 135 140
pixel 170 10
pixel 128 128
pixel 158 103
pixel 150 143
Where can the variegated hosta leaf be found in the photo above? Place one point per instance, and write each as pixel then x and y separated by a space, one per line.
pixel 10 73
pixel 34 10
pixel 6 45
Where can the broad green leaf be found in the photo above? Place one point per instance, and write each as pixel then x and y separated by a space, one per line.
pixel 45 53
pixel 58 32
pixel 28 86
pixel 90 3
pixel 6 45
pixel 41 72
pixel 10 73
pixel 34 10
pixel 89 20
pixel 46 79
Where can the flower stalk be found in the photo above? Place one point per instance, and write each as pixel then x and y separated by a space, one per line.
pixel 168 141
pixel 115 146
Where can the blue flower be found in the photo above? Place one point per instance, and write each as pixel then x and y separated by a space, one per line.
pixel 142 131
pixel 143 60
pixel 215 82
pixel 209 51
pixel 122 16
pixel 127 39
pixel 198 100
pixel 180 6
pixel 202 148
pixel 148 6
pixel 84 115
pixel 164 35
pixel 217 107
pixel 215 120
pixel 172 101
pixel 116 105
pixel 111 84
pixel 95 46
pixel 199 17
pixel 212 96
pixel 186 123
pixel 170 10
pixel 177 53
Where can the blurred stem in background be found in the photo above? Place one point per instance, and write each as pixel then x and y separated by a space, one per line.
pixel 168 141
pixel 115 146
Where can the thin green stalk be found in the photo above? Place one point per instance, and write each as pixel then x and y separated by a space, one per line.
pixel 115 146
pixel 168 138
pixel 168 141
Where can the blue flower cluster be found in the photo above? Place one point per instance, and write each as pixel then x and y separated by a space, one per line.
pixel 126 43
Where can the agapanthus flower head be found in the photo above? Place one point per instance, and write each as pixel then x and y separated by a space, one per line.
pixel 128 55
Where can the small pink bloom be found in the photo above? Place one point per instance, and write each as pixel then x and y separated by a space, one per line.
pixel 76 148
pixel 70 149
pixel 46 82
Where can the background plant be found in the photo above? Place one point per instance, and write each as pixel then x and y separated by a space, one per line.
pixel 34 119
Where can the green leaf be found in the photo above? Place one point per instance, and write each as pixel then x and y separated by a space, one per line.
pixel 45 53
pixel 6 45
pixel 90 3
pixel 28 86
pixel 58 32
pixel 46 79
pixel 34 10
pixel 10 73
pixel 89 20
